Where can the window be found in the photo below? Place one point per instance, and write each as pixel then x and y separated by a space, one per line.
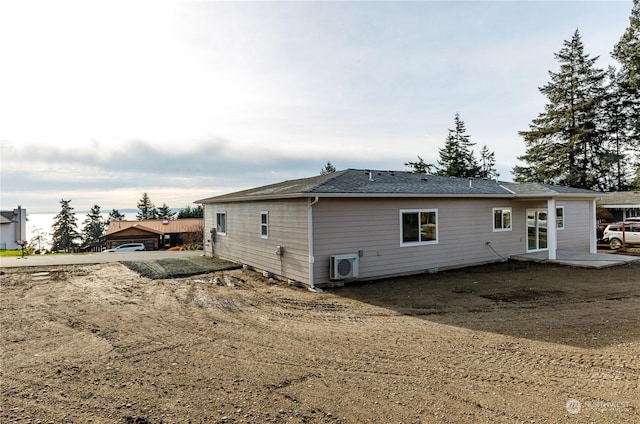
pixel 221 222
pixel 560 218
pixel 264 225
pixel 418 227
pixel 501 219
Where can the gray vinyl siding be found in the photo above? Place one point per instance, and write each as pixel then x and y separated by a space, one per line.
pixel 244 244
pixel 575 235
pixel 373 227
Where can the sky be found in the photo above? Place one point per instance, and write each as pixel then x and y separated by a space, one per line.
pixel 102 101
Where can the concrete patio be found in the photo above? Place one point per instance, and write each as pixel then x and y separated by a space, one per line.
pixel 578 259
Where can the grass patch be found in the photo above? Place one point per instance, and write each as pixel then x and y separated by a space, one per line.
pixel 159 269
pixel 11 253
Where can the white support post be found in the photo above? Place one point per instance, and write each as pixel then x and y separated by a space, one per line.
pixel 552 230
pixel 593 235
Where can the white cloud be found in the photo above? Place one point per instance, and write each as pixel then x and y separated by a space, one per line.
pixel 90 88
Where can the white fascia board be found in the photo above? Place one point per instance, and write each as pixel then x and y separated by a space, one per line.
pixel 619 206
pixel 361 196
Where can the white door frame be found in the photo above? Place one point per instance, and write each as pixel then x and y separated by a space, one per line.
pixel 552 231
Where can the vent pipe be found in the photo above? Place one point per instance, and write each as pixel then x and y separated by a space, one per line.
pixel 470 182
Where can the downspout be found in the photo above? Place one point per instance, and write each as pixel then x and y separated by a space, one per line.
pixel 312 260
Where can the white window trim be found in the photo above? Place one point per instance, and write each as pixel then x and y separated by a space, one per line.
pixel 263 213
pixel 418 243
pixel 493 219
pixel 226 224
pixel 558 227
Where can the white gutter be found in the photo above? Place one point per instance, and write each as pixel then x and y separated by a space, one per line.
pixel 310 238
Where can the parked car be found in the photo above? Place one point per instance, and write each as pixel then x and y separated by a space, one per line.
pixel 129 247
pixel 601 240
pixel 632 219
pixel 613 232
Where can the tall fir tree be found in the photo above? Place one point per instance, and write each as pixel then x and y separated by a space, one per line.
pixel 456 157
pixel 627 50
pixel 615 124
pixel 65 228
pixel 165 212
pixel 147 209
pixel 627 92
pixel 94 226
pixel 564 144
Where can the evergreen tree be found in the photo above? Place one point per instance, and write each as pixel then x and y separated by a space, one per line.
pixel 487 164
pixel 65 228
pixel 615 125
pixel 114 215
pixel 627 50
pixel 627 89
pixel 94 226
pixel 165 212
pixel 328 169
pixel 456 157
pixel 188 212
pixel 420 166
pixel 635 184
pixel 565 144
pixel 147 209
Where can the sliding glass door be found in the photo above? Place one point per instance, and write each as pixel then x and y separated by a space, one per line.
pixel 536 229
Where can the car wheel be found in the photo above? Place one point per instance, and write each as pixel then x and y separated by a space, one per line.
pixel 615 243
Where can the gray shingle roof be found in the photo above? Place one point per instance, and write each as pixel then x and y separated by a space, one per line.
pixel 362 183
pixel 402 182
pixel 531 189
pixel 621 198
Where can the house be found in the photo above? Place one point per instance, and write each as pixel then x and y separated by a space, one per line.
pixel 13 229
pixel 370 224
pixel 620 204
pixel 154 233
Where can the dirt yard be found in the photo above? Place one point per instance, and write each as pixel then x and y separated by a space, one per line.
pixel 505 343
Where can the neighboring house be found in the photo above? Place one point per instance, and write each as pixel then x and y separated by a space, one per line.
pixel 621 204
pixel 154 233
pixel 370 224
pixel 13 228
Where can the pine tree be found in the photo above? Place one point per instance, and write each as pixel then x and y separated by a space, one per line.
pixel 456 157
pixel 565 144
pixel 147 209
pixel 328 169
pixel 65 228
pixel 487 164
pixel 94 226
pixel 164 212
pixel 420 166
pixel 114 215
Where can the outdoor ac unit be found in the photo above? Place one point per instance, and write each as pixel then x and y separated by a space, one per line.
pixel 344 266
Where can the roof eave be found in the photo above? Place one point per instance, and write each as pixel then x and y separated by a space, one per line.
pixel 358 195
pixel 621 205
pixel 573 196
